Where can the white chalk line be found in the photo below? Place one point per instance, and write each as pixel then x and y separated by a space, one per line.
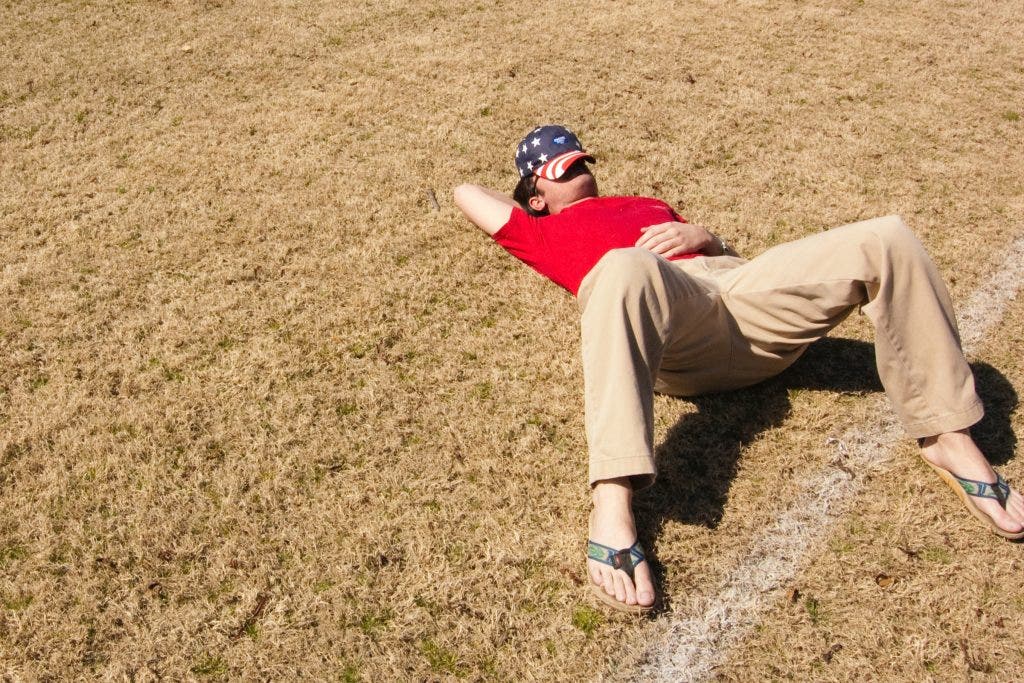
pixel 694 645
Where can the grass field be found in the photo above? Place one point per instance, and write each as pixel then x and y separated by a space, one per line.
pixel 266 412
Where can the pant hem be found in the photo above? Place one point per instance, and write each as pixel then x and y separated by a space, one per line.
pixel 946 423
pixel 638 468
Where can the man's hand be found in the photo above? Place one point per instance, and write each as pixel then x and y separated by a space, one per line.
pixel 671 239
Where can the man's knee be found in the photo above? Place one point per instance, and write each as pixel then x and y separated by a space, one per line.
pixel 628 258
pixel 889 233
pixel 628 265
pixel 892 231
pixel 623 274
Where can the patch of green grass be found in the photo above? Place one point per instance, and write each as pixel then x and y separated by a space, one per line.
pixel 455 553
pixel 936 553
pixel 441 659
pixel 372 622
pixel 225 587
pixel 173 374
pixel 587 620
pixel 11 553
pixel 1011 116
pixel 345 408
pixel 814 610
pixel 350 674
pixel 121 428
pixel 840 546
pixel 210 666
pixel 432 608
pixel 19 603
pixel 530 566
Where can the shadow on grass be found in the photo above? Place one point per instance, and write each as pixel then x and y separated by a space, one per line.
pixel 698 459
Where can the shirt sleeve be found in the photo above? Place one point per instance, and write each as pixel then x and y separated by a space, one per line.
pixel 521 237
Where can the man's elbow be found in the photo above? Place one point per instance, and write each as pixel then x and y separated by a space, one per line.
pixel 463 195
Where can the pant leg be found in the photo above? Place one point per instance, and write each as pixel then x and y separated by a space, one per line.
pixel 795 293
pixel 634 305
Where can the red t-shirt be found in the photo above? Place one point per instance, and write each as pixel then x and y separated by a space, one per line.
pixel 564 247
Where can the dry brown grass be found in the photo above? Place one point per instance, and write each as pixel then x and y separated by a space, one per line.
pixel 264 413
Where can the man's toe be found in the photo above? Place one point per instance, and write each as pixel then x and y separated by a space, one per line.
pixel 644 588
pixel 621 593
pixel 629 592
pixel 608 583
pixel 1015 507
pixel 1004 519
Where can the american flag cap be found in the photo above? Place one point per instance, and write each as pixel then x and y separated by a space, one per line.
pixel 548 152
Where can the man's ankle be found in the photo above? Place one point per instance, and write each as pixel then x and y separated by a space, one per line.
pixel 612 491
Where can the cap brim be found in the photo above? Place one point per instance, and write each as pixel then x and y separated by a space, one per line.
pixel 556 168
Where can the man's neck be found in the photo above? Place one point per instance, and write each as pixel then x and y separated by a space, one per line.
pixel 574 203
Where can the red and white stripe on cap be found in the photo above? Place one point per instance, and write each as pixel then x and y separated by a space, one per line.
pixel 554 169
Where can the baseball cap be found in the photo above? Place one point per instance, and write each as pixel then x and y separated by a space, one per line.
pixel 548 152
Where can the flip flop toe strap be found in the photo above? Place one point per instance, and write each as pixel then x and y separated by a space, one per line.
pixel 626 559
pixel 999 491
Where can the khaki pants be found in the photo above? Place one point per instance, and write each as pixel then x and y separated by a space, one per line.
pixel 716 323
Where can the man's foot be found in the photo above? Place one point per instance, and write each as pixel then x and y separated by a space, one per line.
pixel 957 454
pixel 611 524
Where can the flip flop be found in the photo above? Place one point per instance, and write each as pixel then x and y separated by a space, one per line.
pixel 967 489
pixel 626 560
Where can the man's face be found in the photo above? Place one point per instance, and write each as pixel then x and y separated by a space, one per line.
pixel 576 183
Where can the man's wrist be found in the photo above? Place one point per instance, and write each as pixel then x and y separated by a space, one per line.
pixel 717 246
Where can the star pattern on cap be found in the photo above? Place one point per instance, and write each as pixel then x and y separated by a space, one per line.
pixel 545 146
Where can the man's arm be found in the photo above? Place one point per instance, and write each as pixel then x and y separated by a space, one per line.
pixel 670 239
pixel 487 209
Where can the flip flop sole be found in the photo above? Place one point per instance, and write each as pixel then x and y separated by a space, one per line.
pixel 610 601
pixel 971 507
